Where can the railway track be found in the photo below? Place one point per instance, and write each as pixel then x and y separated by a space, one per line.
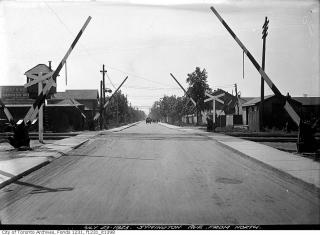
pixel 46 136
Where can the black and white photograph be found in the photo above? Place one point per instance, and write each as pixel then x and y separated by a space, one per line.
pixel 159 115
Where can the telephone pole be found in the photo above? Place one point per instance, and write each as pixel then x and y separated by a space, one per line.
pixel 236 90
pixel 101 106
pixel 264 36
pixel 103 95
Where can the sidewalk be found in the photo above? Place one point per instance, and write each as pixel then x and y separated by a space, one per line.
pixel 14 164
pixel 301 168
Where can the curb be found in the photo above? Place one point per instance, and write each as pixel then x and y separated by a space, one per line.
pixel 309 186
pixel 36 167
pixel 124 127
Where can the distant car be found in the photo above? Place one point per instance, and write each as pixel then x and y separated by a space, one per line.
pixel 148 120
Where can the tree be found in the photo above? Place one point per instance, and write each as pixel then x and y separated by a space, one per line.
pixel 118 111
pixel 197 87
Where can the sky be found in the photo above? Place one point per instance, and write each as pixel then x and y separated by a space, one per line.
pixel 148 40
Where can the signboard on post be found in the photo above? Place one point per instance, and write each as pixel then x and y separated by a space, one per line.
pixel 214 99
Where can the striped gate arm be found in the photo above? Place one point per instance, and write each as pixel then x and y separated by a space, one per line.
pixel 295 117
pixel 33 111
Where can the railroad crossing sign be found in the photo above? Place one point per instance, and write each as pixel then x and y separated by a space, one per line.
pixel 21 131
pixel 214 99
pixel 40 79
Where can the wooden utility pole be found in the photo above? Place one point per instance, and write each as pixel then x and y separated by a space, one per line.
pixel 103 71
pixel 103 95
pixel 40 123
pixel 264 36
pixel 101 106
pixel 236 90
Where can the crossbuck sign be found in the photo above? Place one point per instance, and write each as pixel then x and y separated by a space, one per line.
pixel 214 99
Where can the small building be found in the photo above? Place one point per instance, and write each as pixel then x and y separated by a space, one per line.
pixel 60 114
pixel 274 114
pixel 310 107
pixel 89 98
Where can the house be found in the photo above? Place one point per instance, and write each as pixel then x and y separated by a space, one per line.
pixel 274 115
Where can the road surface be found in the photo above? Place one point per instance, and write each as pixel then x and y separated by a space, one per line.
pixel 150 174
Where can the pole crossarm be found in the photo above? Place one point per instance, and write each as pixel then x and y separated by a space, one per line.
pixel 295 117
pixel 187 94
pixel 33 111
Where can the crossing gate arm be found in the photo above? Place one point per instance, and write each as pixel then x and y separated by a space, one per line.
pixel 33 111
pixel 82 114
pixel 187 94
pixel 295 117
pixel 106 104
pixel 111 97
pixel 6 112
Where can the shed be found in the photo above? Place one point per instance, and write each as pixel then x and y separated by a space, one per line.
pixel 274 114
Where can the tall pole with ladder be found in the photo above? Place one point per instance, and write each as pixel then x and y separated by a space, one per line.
pixel 264 36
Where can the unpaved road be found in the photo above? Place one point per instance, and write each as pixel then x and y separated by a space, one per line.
pixel 150 174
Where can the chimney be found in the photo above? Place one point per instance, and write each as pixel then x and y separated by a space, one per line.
pixel 50 64
pixel 305 95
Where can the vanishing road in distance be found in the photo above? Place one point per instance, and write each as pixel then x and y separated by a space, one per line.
pixel 151 174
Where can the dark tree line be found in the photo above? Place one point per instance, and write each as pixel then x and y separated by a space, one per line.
pixel 119 111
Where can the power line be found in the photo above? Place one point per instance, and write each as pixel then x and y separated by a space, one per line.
pixel 111 81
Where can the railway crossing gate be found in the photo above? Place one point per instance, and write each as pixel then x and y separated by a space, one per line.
pixel 21 128
pixel 306 141
pixel 186 93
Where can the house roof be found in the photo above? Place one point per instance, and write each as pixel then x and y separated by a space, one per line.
pixel 256 100
pixel 39 66
pixel 77 94
pixel 246 99
pixel 69 102
pixel 307 101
